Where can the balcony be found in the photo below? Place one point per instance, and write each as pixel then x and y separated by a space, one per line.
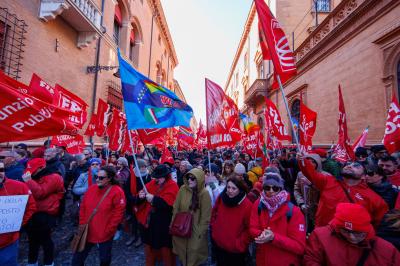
pixel 256 92
pixel 83 15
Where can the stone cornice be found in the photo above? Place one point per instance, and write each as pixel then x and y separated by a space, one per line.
pixel 162 22
pixel 348 19
pixel 242 42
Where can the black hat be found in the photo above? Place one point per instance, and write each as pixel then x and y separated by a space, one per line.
pixel 378 148
pixel 361 151
pixel 160 171
pixel 22 146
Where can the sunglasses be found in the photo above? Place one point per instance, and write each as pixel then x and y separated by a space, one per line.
pixel 274 188
pixel 192 178
pixel 99 177
pixel 93 164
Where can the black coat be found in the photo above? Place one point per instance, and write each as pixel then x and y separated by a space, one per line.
pixel 387 193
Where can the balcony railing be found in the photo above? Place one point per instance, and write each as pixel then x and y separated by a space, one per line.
pixel 83 15
pixel 256 90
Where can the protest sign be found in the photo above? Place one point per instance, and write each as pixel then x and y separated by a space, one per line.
pixel 12 209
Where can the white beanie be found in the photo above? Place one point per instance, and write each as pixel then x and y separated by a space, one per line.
pixel 240 169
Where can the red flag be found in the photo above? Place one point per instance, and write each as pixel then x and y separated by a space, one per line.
pixel 40 89
pixel 250 142
pixel 361 140
pixel 116 130
pixel 103 114
pixel 72 102
pixel 186 134
pixel 274 122
pixel 133 186
pixel 91 128
pixel 126 147
pixel 24 117
pixel 391 139
pixel 223 129
pixel 278 45
pixel 307 126
pixel 73 144
pixel 14 84
pixel 152 135
pixel 166 156
pixel 201 138
pixel 343 151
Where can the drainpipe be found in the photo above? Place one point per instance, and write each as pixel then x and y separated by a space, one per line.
pixel 151 44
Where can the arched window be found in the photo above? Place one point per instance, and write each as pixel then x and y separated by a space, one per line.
pixel 117 24
pixel 295 112
pixel 158 74
pixel 163 79
pixel 134 44
pixel 398 79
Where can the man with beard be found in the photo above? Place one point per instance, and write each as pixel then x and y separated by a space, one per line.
pixel 388 165
pixel 350 187
pixel 53 163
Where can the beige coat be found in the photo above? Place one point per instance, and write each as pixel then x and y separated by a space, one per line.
pixel 193 251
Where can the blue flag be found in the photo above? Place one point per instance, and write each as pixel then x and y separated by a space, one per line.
pixel 149 105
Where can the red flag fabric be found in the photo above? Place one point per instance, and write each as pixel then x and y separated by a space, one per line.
pixel 91 128
pixel 166 156
pixel 103 114
pixel 274 122
pixel 73 144
pixel 24 117
pixel 72 102
pixel 223 129
pixel 152 135
pixel 250 140
pixel 391 139
pixel 133 186
pixel 307 126
pixel 116 130
pixel 343 151
pixel 40 89
pixel 14 84
pixel 201 138
pixel 361 140
pixel 126 147
pixel 278 46
pixel 186 136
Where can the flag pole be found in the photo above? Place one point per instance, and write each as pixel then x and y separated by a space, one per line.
pixel 136 163
pixel 288 112
pixel 209 161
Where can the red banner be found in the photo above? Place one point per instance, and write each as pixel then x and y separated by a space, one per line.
pixel 72 102
pixel 40 89
pixel 307 126
pixel 186 134
pixel 223 129
pixel 103 113
pixel 153 136
pixel 361 140
pixel 73 144
pixel 116 130
pixel 166 156
pixel 391 140
pixel 274 122
pixel 126 147
pixel 201 138
pixel 91 128
pixel 278 45
pixel 343 151
pixel 24 117
pixel 14 84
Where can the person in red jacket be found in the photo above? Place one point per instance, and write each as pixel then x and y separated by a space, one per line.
pixel 277 226
pixel 351 188
pixel 230 224
pixel 110 213
pixel 349 239
pixel 47 190
pixel 9 241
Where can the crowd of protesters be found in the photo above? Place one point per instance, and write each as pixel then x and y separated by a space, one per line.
pixel 297 209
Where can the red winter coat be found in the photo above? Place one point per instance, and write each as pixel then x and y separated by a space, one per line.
pixel 230 226
pixel 287 247
pixel 12 188
pixel 395 179
pixel 325 247
pixel 331 193
pixel 109 214
pixel 47 192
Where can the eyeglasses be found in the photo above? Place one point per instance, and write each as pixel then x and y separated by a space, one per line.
pixel 99 177
pixel 192 178
pixel 274 188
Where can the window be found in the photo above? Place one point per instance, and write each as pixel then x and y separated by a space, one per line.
pixel 117 24
pixel 295 112
pixel 114 97
pixel 116 32
pixel 158 74
pixel 322 5
pixel 260 70
pixel 245 60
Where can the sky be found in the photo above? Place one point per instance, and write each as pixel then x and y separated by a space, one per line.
pixel 206 34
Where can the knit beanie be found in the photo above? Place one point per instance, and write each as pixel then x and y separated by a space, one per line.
pixel 240 169
pixel 95 160
pixel 273 179
pixel 353 217
pixel 123 161
pixel 34 164
pixel 142 163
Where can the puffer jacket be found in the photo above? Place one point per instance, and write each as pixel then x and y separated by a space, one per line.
pixel 254 174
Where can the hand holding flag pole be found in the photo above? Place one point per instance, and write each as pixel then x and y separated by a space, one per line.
pixel 136 163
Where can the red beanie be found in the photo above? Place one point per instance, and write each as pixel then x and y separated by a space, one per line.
pixel 35 164
pixel 353 217
pixel 321 152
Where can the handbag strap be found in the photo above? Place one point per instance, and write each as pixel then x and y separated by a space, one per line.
pixel 364 255
pixel 346 192
pixel 98 204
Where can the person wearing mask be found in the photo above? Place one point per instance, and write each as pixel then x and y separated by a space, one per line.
pixel 230 224
pixel 47 190
pixel 110 213
pixel 155 214
pixel 276 225
pixel 14 169
pixel 349 239
pixel 9 242
pixel 388 165
pixel 193 197
pixel 350 188
pixel 86 179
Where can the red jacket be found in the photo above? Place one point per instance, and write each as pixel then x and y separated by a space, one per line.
pixel 109 214
pixel 325 247
pixel 395 179
pixel 287 247
pixel 47 192
pixel 331 193
pixel 10 188
pixel 230 226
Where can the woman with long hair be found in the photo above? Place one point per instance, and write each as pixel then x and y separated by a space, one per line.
pixel 193 197
pixel 228 168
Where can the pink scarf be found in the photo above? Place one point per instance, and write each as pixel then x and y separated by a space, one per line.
pixel 273 203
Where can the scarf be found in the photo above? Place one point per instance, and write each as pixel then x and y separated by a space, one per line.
pixel 232 202
pixel 274 202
